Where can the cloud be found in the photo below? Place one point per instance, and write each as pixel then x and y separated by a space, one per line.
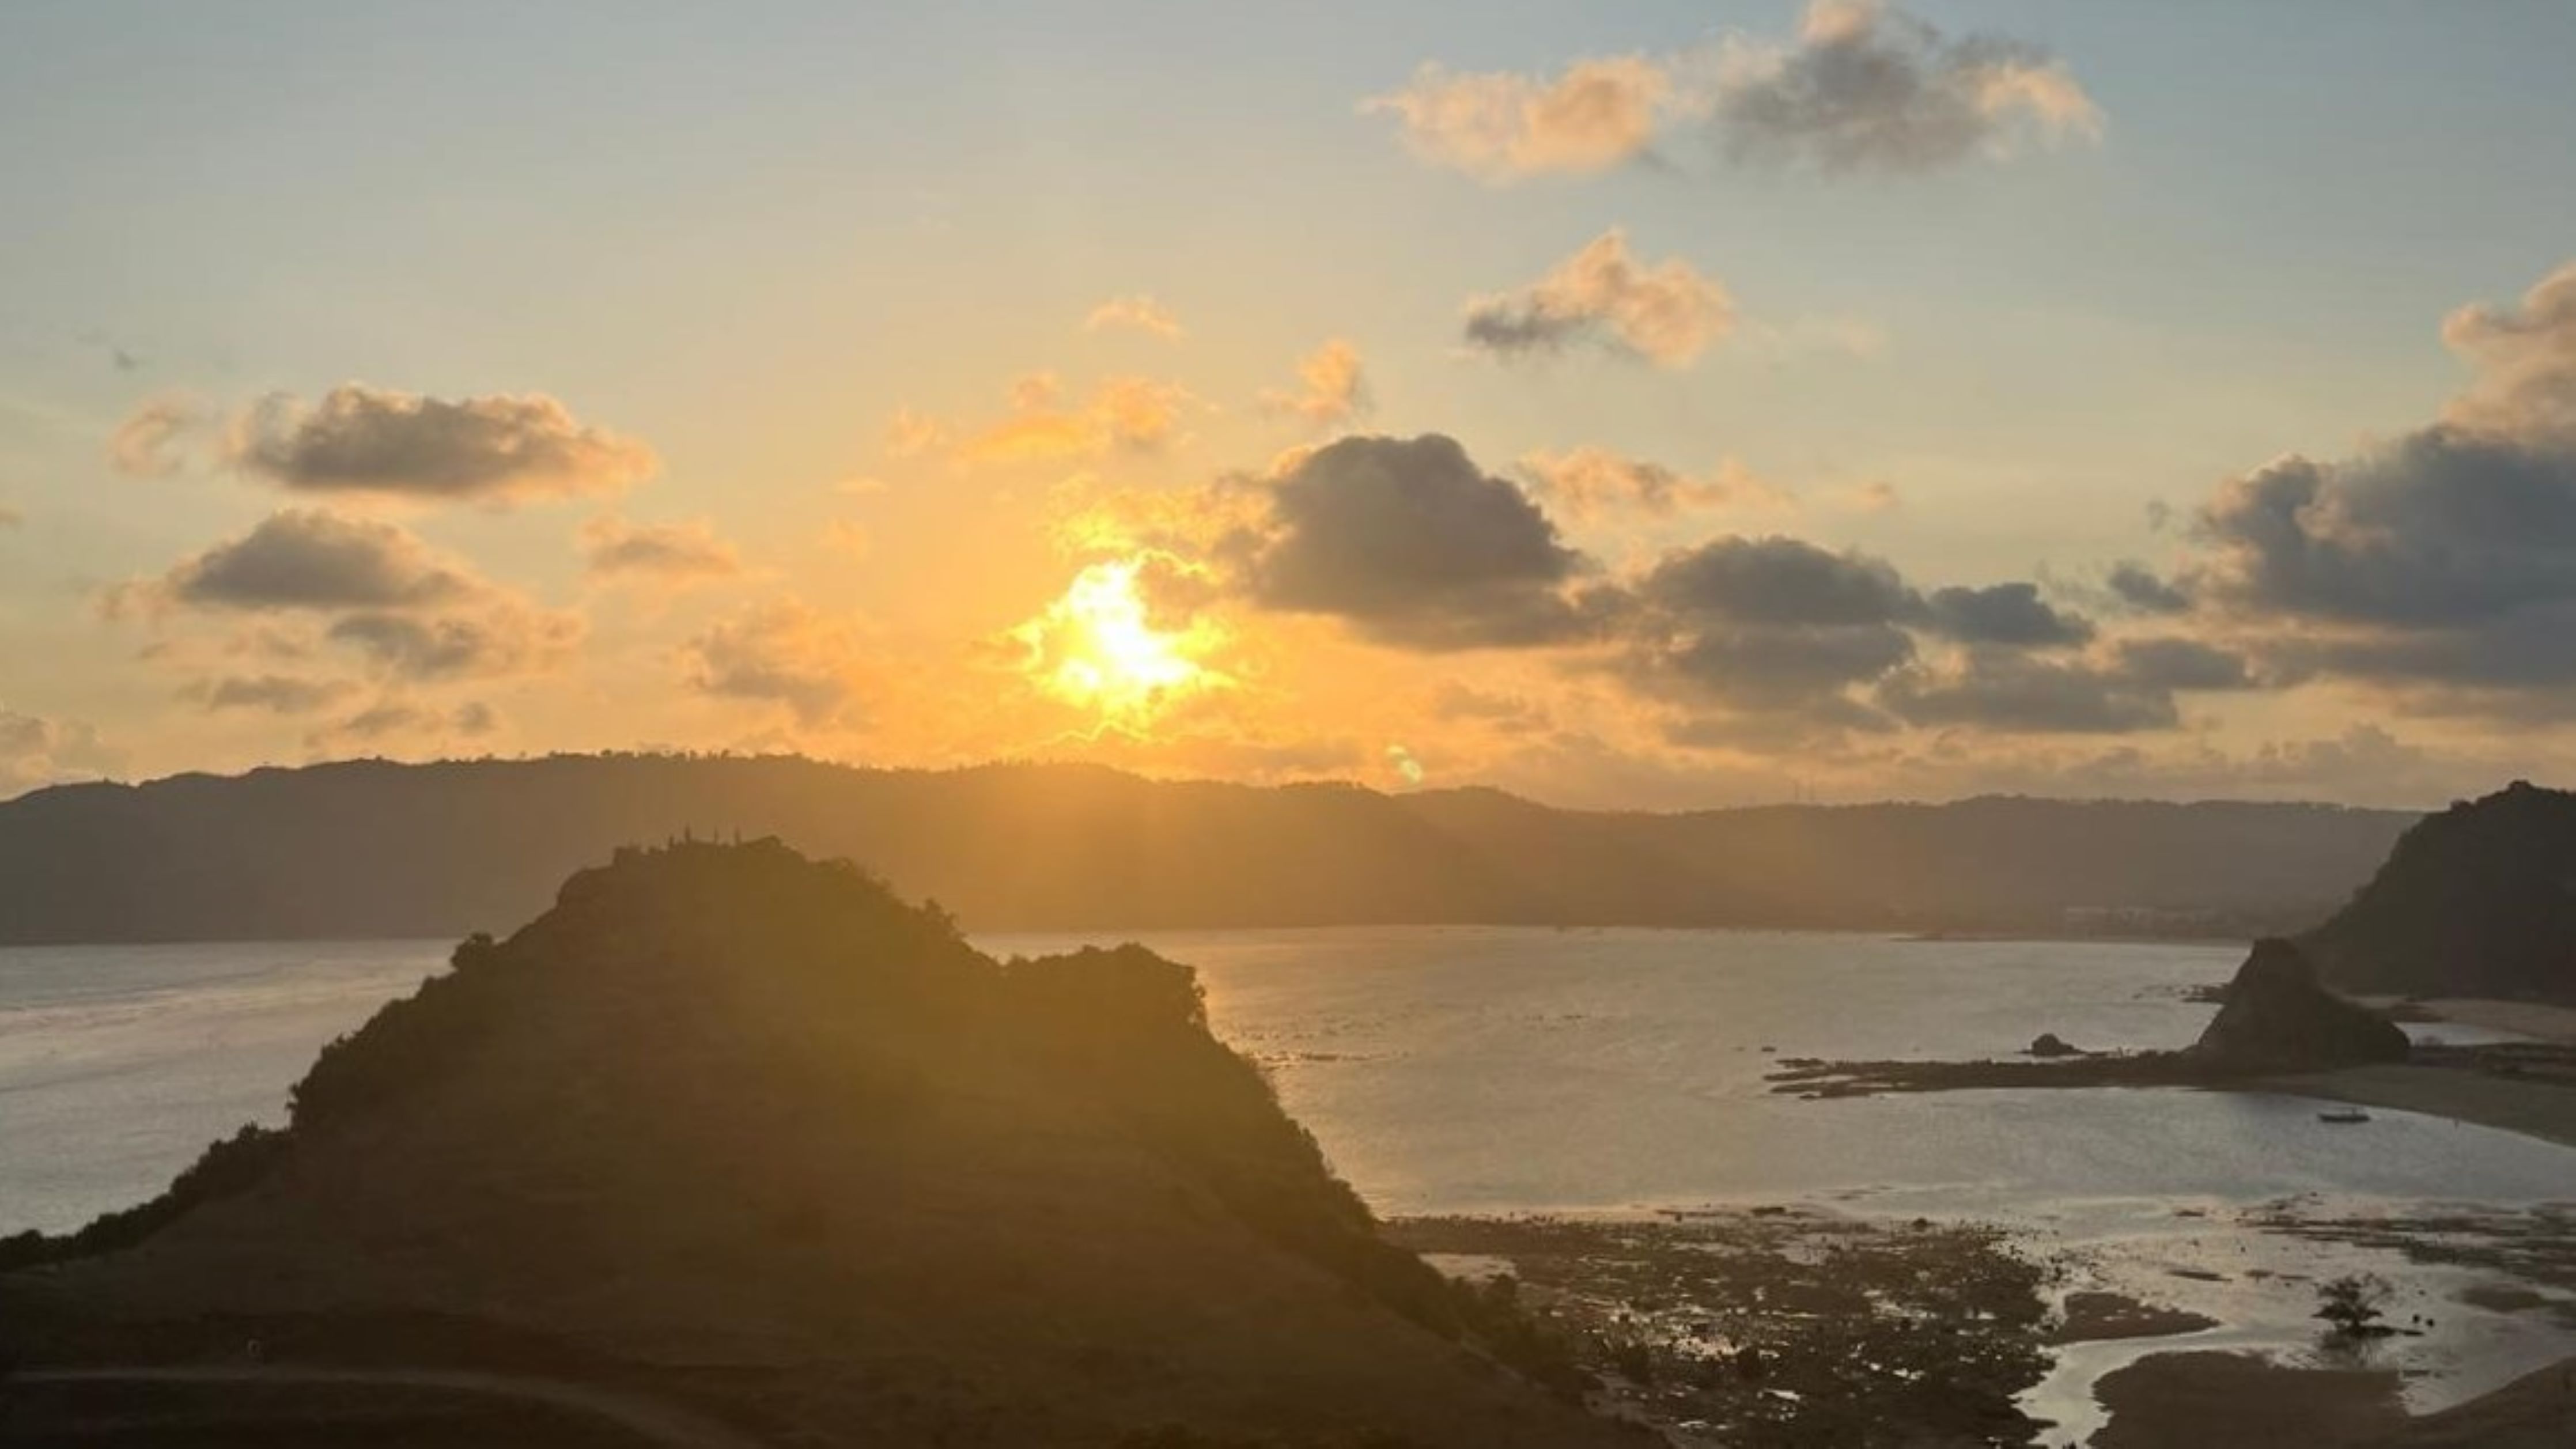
pixel 2139 588
pixel 1139 313
pixel 497 449
pixel 1453 702
pixel 373 587
pixel 2525 359
pixel 1736 642
pixel 398 719
pixel 2182 664
pixel 2443 558
pixel 1499 127
pixel 35 750
pixel 271 693
pixel 784 652
pixel 1332 388
pixel 1863 87
pixel 673 554
pixel 1778 580
pixel 1409 542
pixel 145 445
pixel 1588 484
pixel 1769 626
pixel 2005 614
pixel 2008 690
pixel 2129 689
pixel 1123 414
pixel 1666 313
pixel 1866 87
pixel 503 637
pixel 306 559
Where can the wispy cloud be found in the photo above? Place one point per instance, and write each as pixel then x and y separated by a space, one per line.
pixel 1665 312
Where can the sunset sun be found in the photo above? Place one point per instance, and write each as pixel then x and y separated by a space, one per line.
pixel 1098 646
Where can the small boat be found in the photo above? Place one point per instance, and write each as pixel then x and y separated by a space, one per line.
pixel 2344 1114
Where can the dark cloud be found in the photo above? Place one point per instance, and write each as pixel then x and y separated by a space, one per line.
pixel 411 611
pixel 1776 581
pixel 301 559
pixel 2138 587
pixel 2442 559
pixel 489 641
pixel 2180 664
pixel 2006 690
pixel 1409 542
pixel 1778 666
pixel 2005 614
pixel 1769 625
pixel 1868 88
pixel 2440 529
pixel 494 449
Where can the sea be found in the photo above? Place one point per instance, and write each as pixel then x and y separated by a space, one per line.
pixel 1504 1070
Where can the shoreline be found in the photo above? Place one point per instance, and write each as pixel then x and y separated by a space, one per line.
pixel 1696 1324
pixel 2537 1110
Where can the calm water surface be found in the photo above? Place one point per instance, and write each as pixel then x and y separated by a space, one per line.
pixel 1444 1069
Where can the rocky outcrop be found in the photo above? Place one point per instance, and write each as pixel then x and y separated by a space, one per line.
pixel 2278 1018
pixel 751 1130
pixel 2050 1044
pixel 2479 900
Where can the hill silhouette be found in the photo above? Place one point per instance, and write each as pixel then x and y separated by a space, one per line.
pixel 2479 900
pixel 758 1134
pixel 371 849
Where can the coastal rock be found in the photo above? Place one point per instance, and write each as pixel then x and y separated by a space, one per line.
pixel 2278 1018
pixel 2050 1044
pixel 2479 900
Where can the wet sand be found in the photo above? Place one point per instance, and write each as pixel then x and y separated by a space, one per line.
pixel 2241 1401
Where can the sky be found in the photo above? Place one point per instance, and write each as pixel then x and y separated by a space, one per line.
pixel 1632 405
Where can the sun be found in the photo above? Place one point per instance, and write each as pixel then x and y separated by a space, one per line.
pixel 1097 646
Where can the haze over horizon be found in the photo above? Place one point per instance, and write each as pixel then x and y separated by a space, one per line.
pixel 1674 406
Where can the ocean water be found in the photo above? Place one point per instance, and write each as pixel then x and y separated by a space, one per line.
pixel 1443 1069
pixel 118 1064
pixel 1498 1070
pixel 1483 1070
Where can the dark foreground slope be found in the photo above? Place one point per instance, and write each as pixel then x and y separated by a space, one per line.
pixel 378 849
pixel 747 1131
pixel 2479 900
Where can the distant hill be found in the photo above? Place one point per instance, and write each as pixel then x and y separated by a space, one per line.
pixel 747 1132
pixel 372 848
pixel 2479 900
